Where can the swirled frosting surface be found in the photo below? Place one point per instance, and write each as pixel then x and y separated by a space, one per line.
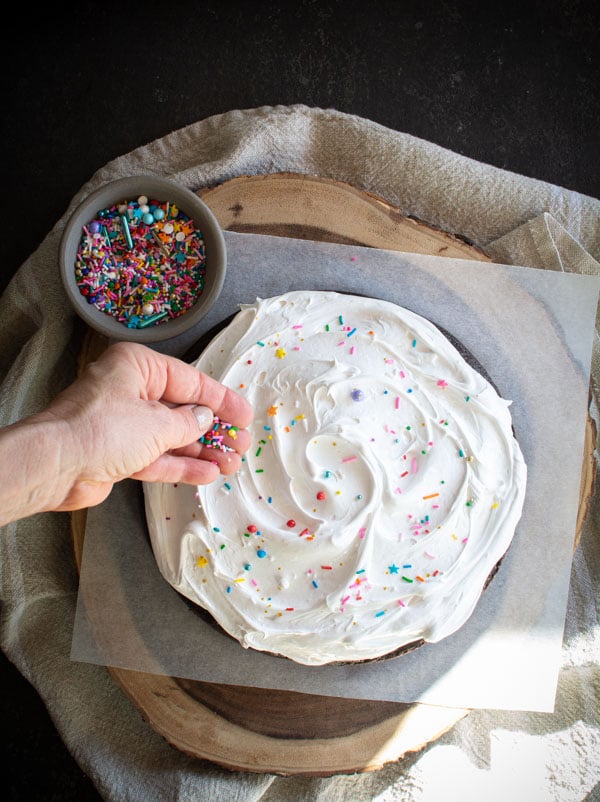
pixel 383 485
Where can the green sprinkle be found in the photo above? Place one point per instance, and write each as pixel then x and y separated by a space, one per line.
pixel 149 321
pixel 222 546
pixel 407 579
pixel 258 450
pixel 259 470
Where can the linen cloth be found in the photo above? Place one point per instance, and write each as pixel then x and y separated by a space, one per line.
pixel 515 220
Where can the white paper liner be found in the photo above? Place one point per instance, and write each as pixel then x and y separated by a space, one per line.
pixel 532 331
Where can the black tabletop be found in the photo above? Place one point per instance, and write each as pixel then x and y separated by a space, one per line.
pixel 514 85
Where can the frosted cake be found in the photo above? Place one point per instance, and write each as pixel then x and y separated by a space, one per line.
pixel 383 486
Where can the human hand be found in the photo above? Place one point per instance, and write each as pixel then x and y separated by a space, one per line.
pixel 134 413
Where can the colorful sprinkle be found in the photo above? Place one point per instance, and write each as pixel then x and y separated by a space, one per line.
pixel 141 267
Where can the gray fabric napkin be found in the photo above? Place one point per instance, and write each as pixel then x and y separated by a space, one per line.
pixel 516 220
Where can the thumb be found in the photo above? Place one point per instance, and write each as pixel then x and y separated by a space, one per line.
pixel 186 424
pixel 204 417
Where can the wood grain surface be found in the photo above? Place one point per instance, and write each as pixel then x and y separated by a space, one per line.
pixel 274 731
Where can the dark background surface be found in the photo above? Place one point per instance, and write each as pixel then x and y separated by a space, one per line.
pixel 514 85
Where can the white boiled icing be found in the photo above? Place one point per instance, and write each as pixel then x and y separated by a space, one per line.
pixel 382 486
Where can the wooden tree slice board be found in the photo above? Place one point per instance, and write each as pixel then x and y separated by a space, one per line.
pixel 280 732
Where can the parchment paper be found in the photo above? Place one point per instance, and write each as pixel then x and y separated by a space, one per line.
pixel 532 331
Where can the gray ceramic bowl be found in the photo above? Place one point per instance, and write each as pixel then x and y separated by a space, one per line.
pixel 165 191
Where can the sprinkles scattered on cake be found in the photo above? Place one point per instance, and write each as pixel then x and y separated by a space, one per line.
pixel 383 485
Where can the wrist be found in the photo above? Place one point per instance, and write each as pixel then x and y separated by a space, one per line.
pixel 38 466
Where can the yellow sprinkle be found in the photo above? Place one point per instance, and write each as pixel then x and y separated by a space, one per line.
pixel 201 561
pixel 495 505
pixel 280 353
pixel 241 579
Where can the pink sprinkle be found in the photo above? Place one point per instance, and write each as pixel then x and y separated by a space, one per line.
pixel 350 459
pixel 389 361
pixel 442 383
pixel 403 374
pixel 352 350
pixel 254 582
pixel 464 540
pixel 297 326
pixel 353 258
pixel 342 342
pixel 401 603
pixel 362 532
pixel 345 599
pixel 414 466
pixel 436 506
pixel 397 402
pixel 297 348
pixel 431 556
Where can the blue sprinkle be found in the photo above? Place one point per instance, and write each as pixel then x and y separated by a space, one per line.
pixel 315 583
pixel 261 553
pixel 381 612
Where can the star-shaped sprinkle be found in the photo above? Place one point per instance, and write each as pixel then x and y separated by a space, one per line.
pixel 272 410
pixel 280 353
pixel 393 568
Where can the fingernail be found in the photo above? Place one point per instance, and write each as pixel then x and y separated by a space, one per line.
pixel 204 416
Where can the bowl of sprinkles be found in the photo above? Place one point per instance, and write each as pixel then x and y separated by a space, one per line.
pixel 142 259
